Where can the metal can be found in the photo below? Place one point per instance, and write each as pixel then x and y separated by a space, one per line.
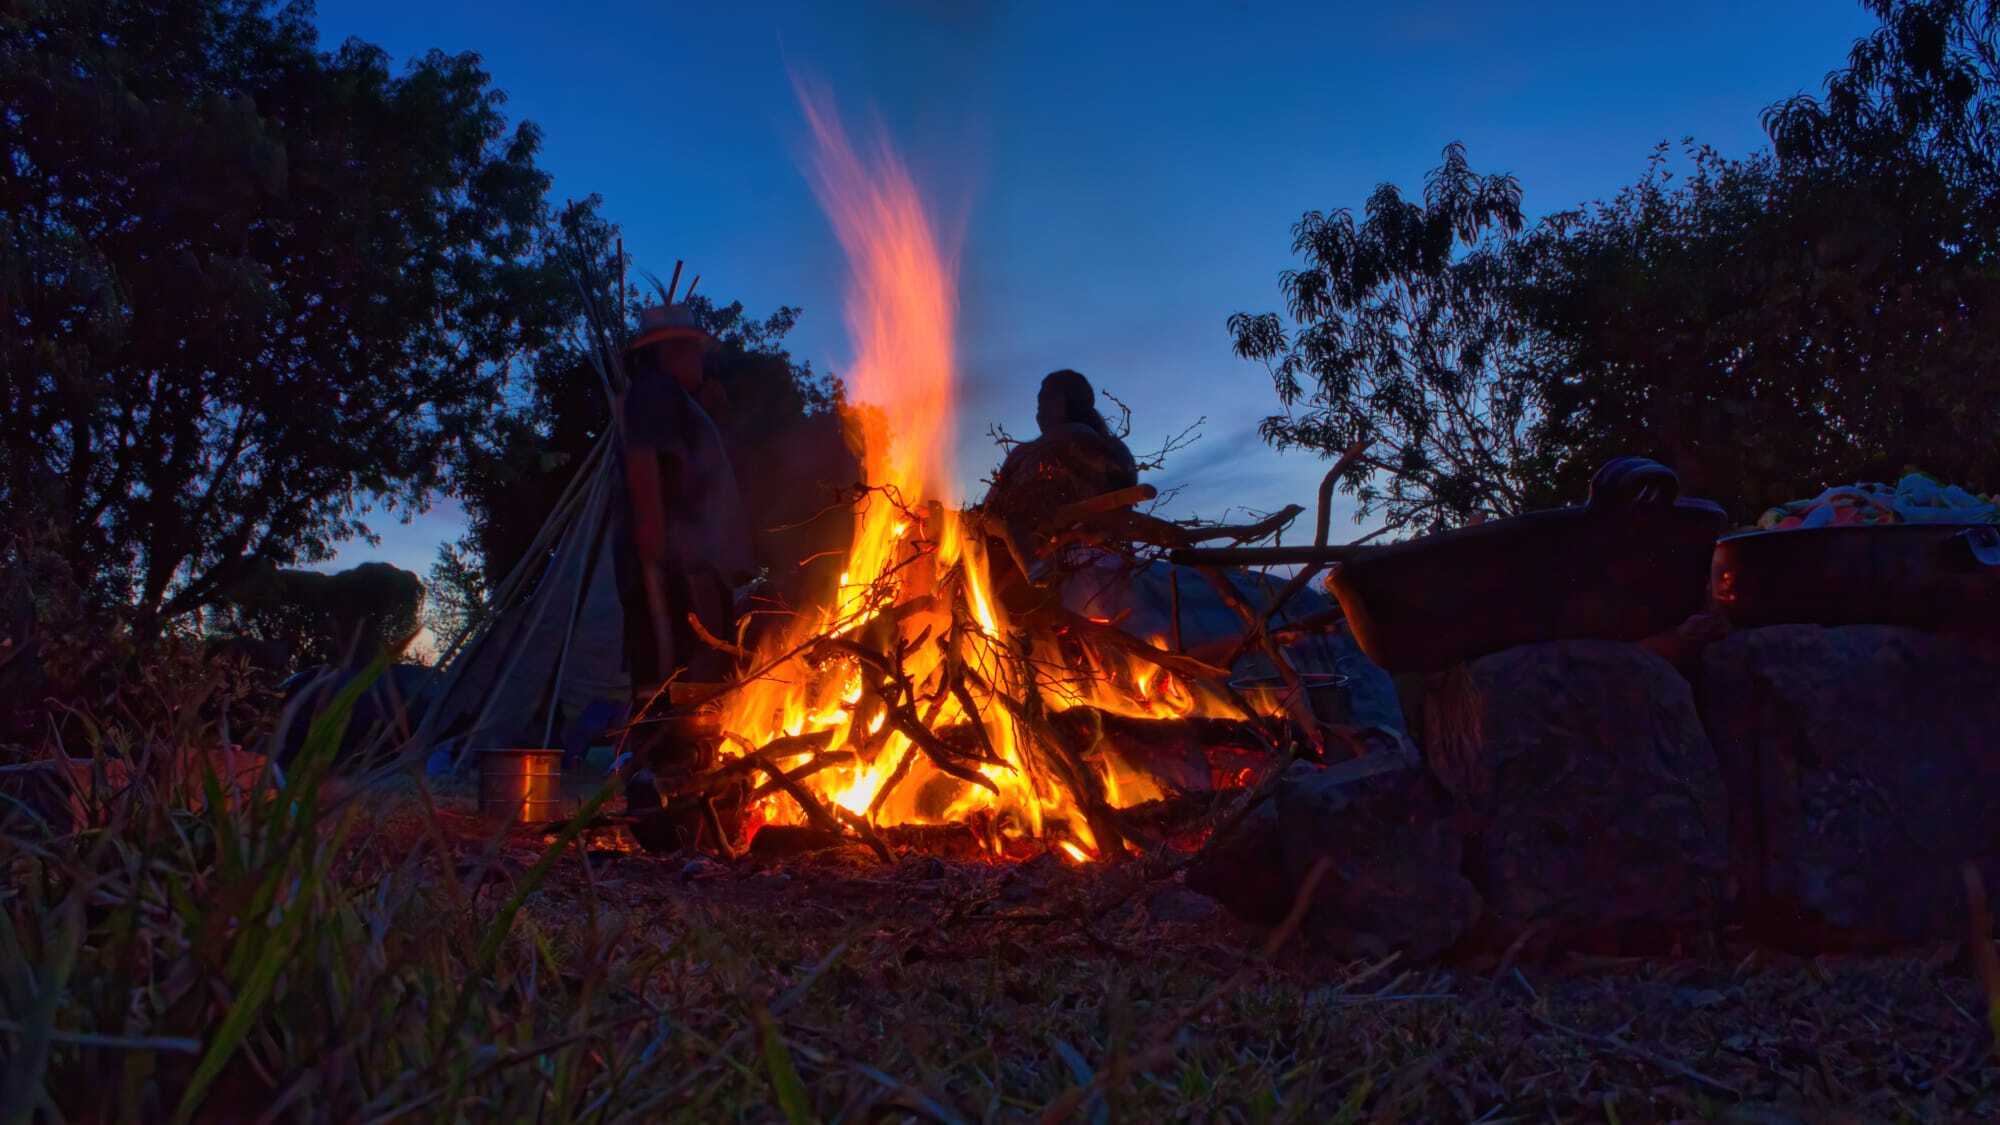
pixel 521 785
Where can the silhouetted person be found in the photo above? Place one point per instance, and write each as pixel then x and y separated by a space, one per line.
pixel 1076 457
pixel 683 542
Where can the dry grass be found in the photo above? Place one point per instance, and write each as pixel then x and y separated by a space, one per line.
pixel 378 954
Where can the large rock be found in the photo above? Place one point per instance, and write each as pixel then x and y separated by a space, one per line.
pixel 1393 881
pixel 1864 774
pixel 1595 812
pixel 1244 869
pixel 1393 884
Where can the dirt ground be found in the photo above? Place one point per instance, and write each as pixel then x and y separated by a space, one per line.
pixel 979 990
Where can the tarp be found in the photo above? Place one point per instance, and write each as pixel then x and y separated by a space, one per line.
pixel 1140 597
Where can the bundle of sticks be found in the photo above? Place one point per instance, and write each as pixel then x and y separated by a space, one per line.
pixel 927 669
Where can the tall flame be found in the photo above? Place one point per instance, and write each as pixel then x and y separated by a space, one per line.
pixel 917 582
pixel 902 304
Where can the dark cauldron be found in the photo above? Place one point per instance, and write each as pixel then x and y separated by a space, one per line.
pixel 1922 575
pixel 1631 562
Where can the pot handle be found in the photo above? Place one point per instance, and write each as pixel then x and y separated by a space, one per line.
pixel 1984 543
pixel 1632 480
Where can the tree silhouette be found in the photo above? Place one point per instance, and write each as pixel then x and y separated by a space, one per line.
pixel 315 618
pixel 1403 336
pixel 777 416
pixel 1824 313
pixel 248 284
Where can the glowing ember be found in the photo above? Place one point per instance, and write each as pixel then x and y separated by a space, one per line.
pixel 915 646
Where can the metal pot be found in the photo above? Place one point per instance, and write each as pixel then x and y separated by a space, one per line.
pixel 1631 562
pixel 1923 575
pixel 1326 694
pixel 521 785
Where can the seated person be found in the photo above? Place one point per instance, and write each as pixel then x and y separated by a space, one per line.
pixel 1075 458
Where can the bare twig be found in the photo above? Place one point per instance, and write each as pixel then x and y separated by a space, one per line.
pixel 816 812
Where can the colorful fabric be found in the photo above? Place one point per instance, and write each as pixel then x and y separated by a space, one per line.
pixel 1917 498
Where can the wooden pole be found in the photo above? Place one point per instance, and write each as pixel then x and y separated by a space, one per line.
pixel 1268 556
pixel 597 490
pixel 456 656
pixel 594 521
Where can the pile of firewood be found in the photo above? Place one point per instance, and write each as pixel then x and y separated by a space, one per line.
pixel 979 674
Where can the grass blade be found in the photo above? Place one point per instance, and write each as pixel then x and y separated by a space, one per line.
pixel 785 1084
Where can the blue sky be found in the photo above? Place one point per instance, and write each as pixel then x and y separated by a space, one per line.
pixel 1125 176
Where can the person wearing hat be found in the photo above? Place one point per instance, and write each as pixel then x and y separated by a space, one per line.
pixel 684 541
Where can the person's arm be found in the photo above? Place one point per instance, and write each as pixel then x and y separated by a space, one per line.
pixel 649 502
pixel 650 477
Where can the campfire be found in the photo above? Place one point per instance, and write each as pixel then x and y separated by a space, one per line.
pixel 940 685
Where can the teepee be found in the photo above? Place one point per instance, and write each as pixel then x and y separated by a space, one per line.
pixel 552 645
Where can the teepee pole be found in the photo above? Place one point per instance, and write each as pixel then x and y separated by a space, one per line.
pixel 591 479
pixel 592 542
pixel 456 657
pixel 564 510
pixel 556 568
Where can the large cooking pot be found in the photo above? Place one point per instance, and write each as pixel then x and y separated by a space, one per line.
pixel 1924 575
pixel 1631 562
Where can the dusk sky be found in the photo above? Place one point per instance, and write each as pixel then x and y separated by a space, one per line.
pixel 1124 177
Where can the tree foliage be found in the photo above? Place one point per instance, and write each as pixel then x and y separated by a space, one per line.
pixel 248 284
pixel 318 618
pixel 777 416
pixel 1672 323
pixel 1825 311
pixel 1403 337
pixel 455 593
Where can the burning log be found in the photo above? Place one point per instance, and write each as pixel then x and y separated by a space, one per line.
pixel 1109 636
pixel 711 640
pixel 816 813
pixel 1253 623
pixel 818 763
pixel 1313 624
pixel 905 720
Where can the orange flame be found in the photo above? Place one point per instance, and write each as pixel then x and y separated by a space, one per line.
pixel 901 308
pixel 902 304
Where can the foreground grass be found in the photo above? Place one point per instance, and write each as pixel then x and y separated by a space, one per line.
pixel 377 954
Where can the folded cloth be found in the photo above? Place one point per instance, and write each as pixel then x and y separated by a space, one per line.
pixel 1917 498
pixel 1836 507
pixel 1985 544
pixel 1921 498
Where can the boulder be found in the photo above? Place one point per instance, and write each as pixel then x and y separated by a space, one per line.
pixel 1244 870
pixel 1864 774
pixel 1594 807
pixel 1386 829
pixel 1394 883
